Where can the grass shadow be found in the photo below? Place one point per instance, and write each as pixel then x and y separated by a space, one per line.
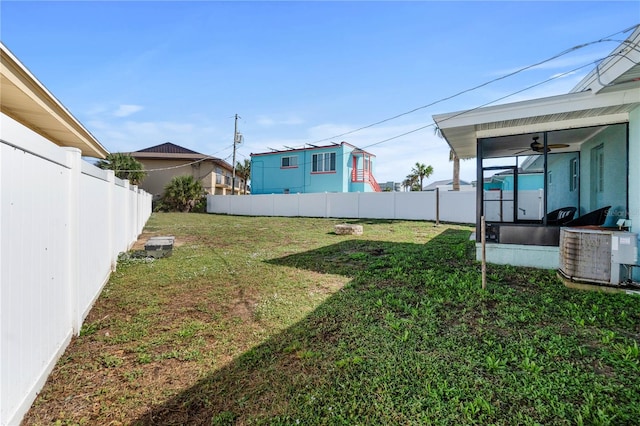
pixel 407 342
pixel 289 377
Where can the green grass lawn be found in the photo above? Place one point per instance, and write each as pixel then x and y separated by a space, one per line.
pixel 280 321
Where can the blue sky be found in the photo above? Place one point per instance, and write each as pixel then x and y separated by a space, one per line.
pixel 138 74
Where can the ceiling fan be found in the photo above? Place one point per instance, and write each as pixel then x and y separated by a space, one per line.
pixel 539 147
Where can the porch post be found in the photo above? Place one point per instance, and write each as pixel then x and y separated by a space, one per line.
pixel 545 183
pixel 479 190
pixel 633 176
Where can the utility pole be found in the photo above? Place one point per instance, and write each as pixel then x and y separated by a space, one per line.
pixel 235 141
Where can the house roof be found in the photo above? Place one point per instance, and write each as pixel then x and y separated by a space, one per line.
pixel 433 185
pixel 170 151
pixel 312 147
pixel 27 100
pixel 168 148
pixel 603 98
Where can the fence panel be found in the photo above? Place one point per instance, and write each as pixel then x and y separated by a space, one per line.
pixel 241 206
pixel 312 205
pixel 379 205
pixel 35 303
pixel 283 205
pixel 343 204
pixel 62 224
pixel 95 227
pixel 416 205
pixel 455 206
pixel 458 206
pixel 262 208
pixel 219 204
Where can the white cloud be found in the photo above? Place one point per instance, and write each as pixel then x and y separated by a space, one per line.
pixel 135 135
pixel 126 110
pixel 267 121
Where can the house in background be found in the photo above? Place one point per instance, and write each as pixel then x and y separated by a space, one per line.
pixel 391 186
pixel 331 168
pixel 447 185
pixel 166 161
pixel 585 142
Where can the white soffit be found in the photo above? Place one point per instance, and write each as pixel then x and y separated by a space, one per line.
pixel 461 129
pixel 26 100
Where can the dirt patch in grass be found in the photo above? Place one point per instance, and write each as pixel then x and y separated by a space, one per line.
pixel 243 306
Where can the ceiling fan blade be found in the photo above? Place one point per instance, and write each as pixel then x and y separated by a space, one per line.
pixel 558 145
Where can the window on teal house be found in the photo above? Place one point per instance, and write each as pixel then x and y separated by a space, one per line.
pixel 291 161
pixel 324 162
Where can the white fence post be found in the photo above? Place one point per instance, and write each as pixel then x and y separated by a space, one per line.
pixel 111 183
pixel 73 233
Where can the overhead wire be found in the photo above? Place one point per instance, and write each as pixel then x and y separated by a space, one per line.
pixel 205 158
pixel 431 125
pixel 520 70
pixel 488 103
pixel 556 56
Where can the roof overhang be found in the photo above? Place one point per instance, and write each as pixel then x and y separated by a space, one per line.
pixel 462 129
pixel 187 158
pixel 619 70
pixel 26 100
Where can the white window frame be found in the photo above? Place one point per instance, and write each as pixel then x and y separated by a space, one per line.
pixel 323 162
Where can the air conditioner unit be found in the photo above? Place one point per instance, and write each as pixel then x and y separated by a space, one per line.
pixel 598 256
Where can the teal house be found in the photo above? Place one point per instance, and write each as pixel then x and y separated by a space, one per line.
pixel 331 168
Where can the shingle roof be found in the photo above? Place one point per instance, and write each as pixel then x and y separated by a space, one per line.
pixel 168 148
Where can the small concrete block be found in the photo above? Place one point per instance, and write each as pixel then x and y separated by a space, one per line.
pixel 348 229
pixel 159 246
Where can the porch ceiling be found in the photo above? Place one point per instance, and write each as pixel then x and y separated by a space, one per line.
pixel 521 119
pixel 26 100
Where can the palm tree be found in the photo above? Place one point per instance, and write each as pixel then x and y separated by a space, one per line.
pixel 411 182
pixel 244 171
pixel 182 193
pixel 421 171
pixel 456 169
pixel 406 184
pixel 124 166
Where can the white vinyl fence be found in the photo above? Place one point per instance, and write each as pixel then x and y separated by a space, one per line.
pixel 454 206
pixel 63 222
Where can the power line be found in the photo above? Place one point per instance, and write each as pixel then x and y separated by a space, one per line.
pixel 480 106
pixel 489 103
pixel 556 56
pixel 207 157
